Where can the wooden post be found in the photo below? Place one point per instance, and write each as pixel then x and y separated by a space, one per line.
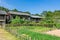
pixel 3 24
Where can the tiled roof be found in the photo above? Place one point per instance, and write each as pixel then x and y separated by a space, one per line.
pixel 33 16
pixel 18 13
pixel 22 13
pixel 2 12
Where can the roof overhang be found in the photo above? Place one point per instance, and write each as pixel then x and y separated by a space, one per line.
pixel 18 13
pixel 36 16
pixel 2 12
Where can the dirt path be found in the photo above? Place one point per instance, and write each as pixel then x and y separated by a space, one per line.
pixel 5 35
pixel 54 32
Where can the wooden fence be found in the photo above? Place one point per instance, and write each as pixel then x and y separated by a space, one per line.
pixel 16 25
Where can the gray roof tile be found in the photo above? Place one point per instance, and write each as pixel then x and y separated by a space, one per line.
pixel 2 12
pixel 18 13
pixel 33 16
pixel 21 13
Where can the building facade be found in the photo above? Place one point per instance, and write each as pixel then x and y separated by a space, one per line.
pixel 24 16
pixel 7 17
pixel 2 18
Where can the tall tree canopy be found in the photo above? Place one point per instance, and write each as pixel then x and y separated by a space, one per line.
pixel 27 12
pixel 4 9
pixel 15 10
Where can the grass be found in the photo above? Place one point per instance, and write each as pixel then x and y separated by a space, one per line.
pixel 38 36
pixel 40 29
pixel 32 33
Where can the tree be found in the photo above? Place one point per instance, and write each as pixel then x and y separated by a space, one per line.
pixel 27 12
pixel 17 20
pixel 57 18
pixel 4 9
pixel 37 14
pixel 48 18
pixel 15 10
pixel 43 13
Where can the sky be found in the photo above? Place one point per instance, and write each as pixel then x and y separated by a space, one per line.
pixel 33 6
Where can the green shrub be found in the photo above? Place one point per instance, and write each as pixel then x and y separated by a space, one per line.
pixel 17 20
pixel 58 25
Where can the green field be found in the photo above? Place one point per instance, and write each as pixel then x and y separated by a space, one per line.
pixel 31 33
